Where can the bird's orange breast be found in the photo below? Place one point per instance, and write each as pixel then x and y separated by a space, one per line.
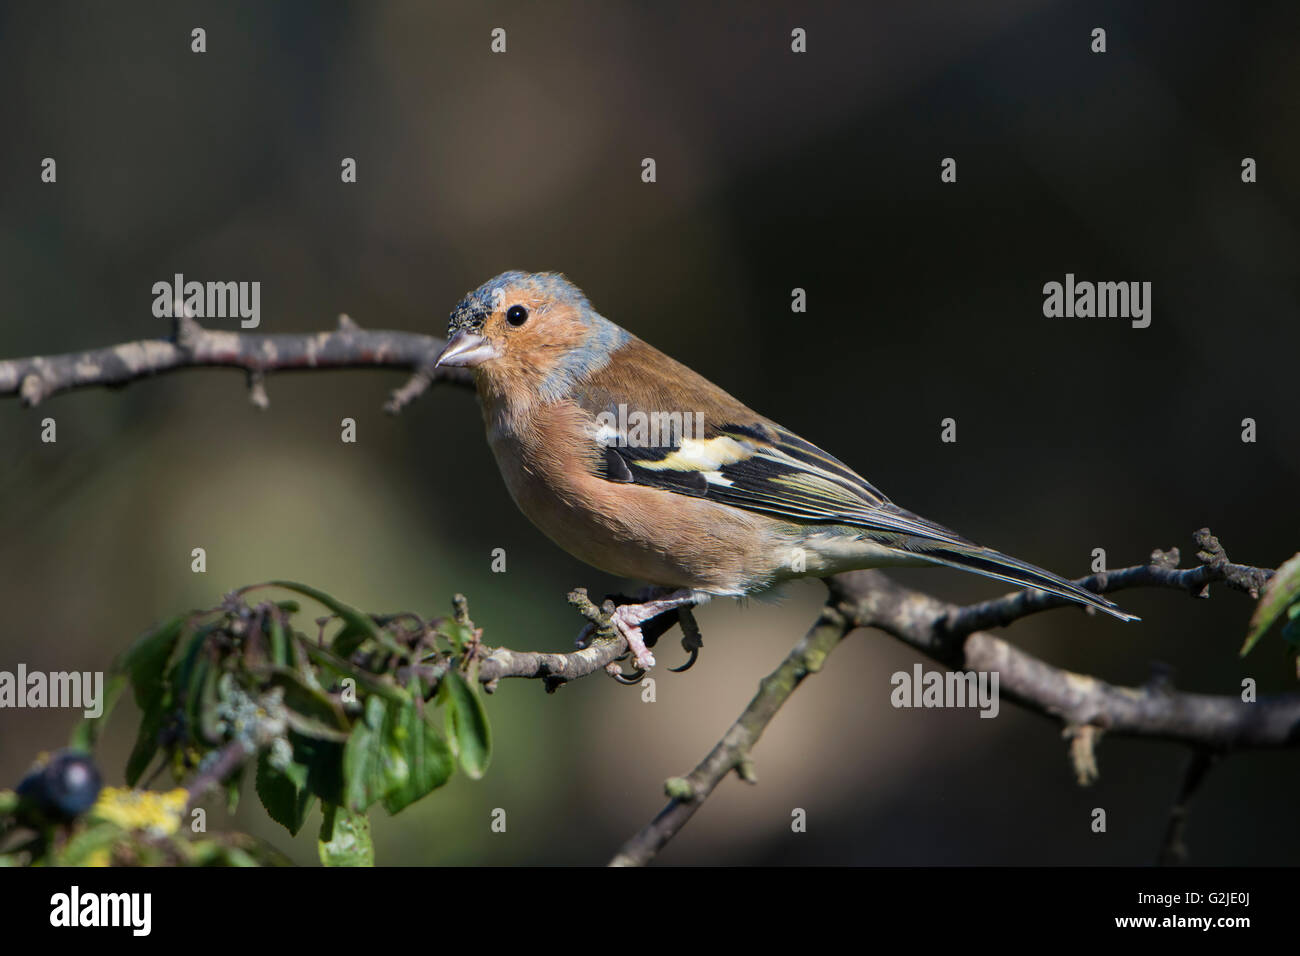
pixel 549 463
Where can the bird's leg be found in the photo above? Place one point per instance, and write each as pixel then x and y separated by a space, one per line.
pixel 628 618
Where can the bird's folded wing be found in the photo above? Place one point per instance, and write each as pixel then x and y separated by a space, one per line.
pixel 760 466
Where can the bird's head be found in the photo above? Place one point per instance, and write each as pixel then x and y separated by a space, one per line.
pixel 529 336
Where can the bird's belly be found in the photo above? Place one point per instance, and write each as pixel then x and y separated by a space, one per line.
pixel 630 531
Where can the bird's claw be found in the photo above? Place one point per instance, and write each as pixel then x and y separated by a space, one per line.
pixel 615 670
pixel 692 639
pixel 690 662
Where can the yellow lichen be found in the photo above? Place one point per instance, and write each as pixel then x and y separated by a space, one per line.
pixel 156 812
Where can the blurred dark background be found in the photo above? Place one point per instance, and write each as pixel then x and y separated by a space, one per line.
pixel 775 170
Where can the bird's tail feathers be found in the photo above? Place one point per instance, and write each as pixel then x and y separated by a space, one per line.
pixel 1003 567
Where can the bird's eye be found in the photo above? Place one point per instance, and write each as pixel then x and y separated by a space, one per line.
pixel 517 315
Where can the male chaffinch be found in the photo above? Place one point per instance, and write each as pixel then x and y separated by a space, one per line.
pixel 634 463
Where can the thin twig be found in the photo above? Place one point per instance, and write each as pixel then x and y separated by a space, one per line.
pixel 1161 572
pixel 1173 848
pixel 732 752
pixel 227 760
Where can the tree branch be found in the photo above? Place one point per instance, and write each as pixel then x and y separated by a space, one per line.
pixel 602 647
pixel 553 669
pixel 192 346
pixel 1154 710
pixel 948 634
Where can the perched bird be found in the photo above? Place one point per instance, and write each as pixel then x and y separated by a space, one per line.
pixel 634 463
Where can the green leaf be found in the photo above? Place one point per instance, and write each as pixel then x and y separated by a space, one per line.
pixel 395 755
pixel 87 730
pixel 1282 590
pixel 281 652
pixel 284 793
pixel 146 662
pixel 323 760
pixel 146 744
pixel 427 757
pixel 1291 630
pixel 457 634
pixel 374 763
pixel 79 849
pixel 371 683
pixel 312 711
pixel 209 722
pixel 185 678
pixel 467 724
pixel 363 777
pixel 234 785
pixel 357 626
pixel 345 838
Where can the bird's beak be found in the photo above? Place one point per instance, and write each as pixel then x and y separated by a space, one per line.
pixel 467 349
